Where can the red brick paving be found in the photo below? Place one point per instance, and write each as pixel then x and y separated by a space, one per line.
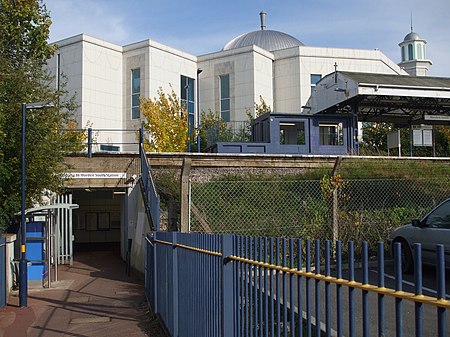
pixel 93 297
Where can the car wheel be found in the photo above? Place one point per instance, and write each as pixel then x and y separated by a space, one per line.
pixel 407 258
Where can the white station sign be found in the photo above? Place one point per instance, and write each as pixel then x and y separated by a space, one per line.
pixel 97 175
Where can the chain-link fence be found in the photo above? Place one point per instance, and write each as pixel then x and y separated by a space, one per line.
pixel 351 210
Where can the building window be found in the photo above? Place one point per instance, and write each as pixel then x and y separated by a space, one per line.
pixel 410 52
pixel 225 97
pixel 403 54
pixel 331 134
pixel 292 133
pixel 419 51
pixel 314 79
pixel 187 99
pixel 111 148
pixel 135 93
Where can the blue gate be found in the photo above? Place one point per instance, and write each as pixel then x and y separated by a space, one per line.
pixel 230 286
pixel 2 271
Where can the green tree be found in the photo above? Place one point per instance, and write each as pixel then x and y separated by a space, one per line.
pixel 213 129
pixel 167 123
pixel 375 138
pixel 375 141
pixel 24 53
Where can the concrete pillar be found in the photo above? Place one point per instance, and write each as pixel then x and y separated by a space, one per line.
pixel 184 195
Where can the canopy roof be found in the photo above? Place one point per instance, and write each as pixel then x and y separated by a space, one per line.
pixel 396 99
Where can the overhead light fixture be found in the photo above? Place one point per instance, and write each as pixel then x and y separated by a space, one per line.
pixel 119 192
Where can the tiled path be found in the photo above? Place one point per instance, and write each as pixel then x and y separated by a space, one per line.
pixel 93 297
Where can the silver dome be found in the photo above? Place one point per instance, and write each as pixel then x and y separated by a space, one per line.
pixel 270 40
pixel 412 36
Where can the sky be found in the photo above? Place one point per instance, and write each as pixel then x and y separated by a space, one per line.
pixel 201 27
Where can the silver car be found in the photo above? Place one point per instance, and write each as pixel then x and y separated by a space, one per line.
pixel 432 230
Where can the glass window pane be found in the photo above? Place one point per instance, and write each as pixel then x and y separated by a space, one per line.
pixel 292 133
pixel 191 107
pixel 224 86
pixel 183 87
pixel 191 89
pixel 191 123
pixel 135 100
pixel 225 115
pixel 315 78
pixel 187 88
pixel 410 52
pixel 136 81
pixel 419 51
pixel 331 134
pixel 135 113
pixel 225 104
pixel 440 217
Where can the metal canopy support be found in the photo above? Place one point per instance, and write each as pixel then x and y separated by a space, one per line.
pixel 397 99
pixel 64 236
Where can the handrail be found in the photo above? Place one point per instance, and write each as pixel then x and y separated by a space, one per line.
pixel 441 303
pixel 151 195
pixel 148 169
pixel 199 250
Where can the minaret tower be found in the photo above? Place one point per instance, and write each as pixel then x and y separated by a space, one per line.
pixel 414 55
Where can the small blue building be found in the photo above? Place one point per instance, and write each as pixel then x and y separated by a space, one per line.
pixel 278 133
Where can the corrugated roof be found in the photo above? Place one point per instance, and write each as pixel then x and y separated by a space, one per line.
pixel 405 80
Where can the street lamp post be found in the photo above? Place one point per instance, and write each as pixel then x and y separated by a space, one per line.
pixel 23 272
pixel 186 87
pixel 197 124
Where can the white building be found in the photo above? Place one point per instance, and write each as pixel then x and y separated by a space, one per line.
pixel 108 79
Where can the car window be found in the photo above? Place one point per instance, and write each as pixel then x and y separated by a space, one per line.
pixel 440 217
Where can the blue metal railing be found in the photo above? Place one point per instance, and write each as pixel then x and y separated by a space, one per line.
pixel 229 285
pixel 150 194
pixel 3 265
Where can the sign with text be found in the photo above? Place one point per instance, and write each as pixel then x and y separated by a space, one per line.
pixel 97 175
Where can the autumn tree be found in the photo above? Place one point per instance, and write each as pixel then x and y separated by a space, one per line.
pixel 166 119
pixel 24 53
pixel 262 107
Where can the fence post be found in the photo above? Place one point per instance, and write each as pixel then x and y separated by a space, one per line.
pixel 155 273
pixel 184 195
pixel 227 287
pixel 175 284
pixel 335 215
pixel 89 142
pixel 337 164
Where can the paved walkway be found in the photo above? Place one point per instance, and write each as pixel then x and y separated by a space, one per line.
pixel 93 297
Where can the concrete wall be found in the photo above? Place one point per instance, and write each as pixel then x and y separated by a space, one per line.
pixel 98 218
pixel 294 66
pixel 160 67
pixel 93 71
pixel 250 70
pixel 138 227
pixel 10 239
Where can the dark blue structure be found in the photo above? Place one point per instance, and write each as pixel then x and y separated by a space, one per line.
pixel 36 251
pixel 277 133
pixel 2 271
